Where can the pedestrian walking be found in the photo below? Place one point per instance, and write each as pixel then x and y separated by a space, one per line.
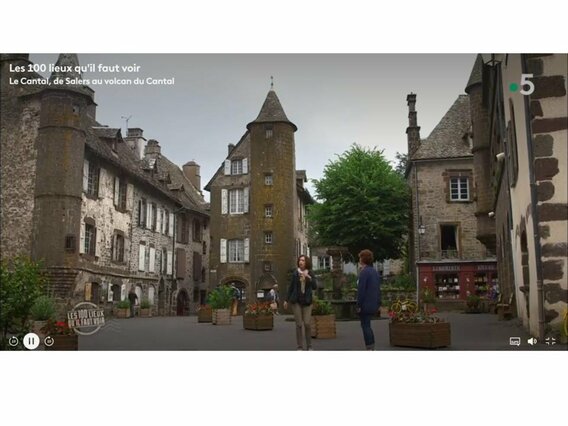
pixel 132 298
pixel 368 296
pixel 300 298
pixel 274 299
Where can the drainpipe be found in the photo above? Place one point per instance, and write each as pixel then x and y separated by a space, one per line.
pixel 417 232
pixel 534 205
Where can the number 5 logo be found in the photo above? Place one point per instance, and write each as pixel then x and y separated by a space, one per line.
pixel 526 82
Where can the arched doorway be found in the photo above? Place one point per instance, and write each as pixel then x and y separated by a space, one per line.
pixel 182 303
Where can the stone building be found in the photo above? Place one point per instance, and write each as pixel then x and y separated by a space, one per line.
pixel 258 206
pixel 444 251
pixel 521 134
pixel 97 209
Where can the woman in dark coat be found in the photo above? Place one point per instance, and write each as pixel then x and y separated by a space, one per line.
pixel 368 296
pixel 300 298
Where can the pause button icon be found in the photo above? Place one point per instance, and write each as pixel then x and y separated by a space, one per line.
pixel 31 341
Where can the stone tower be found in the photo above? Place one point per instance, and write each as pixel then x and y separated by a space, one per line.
pixel 60 153
pixel 481 155
pixel 272 153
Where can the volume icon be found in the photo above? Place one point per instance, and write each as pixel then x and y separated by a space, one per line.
pixel 532 341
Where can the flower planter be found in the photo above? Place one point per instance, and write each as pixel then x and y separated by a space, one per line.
pixel 205 315
pixel 323 326
pixel 221 317
pixel 64 343
pixel 146 312
pixel 261 322
pixel 122 312
pixel 420 335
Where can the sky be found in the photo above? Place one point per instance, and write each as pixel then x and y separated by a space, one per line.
pixel 335 100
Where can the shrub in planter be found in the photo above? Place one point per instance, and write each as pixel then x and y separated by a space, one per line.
pixel 42 310
pixel 418 329
pixel 258 316
pixel 323 320
pixel 122 309
pixel 220 301
pixel 145 308
pixel 473 303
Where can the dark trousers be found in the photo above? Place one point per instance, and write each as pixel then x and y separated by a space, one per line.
pixel 132 310
pixel 368 334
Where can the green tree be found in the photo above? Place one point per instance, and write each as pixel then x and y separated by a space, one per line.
pixel 21 283
pixel 402 163
pixel 363 204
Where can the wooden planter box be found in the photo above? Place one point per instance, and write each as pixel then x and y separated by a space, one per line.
pixel 432 335
pixel 145 312
pixel 263 322
pixel 205 315
pixel 323 326
pixel 122 312
pixel 64 343
pixel 221 317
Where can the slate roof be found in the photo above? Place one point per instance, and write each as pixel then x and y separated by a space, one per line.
pixel 126 160
pixel 476 73
pixel 446 140
pixel 272 111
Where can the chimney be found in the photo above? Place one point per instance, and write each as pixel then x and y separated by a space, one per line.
pixel 135 140
pixel 191 171
pixel 413 130
pixel 152 149
pixel 231 147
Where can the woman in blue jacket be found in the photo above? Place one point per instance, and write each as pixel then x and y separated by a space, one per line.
pixel 368 296
pixel 300 298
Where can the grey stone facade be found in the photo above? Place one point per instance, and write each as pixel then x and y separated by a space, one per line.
pixel 271 223
pixel 528 168
pixel 71 193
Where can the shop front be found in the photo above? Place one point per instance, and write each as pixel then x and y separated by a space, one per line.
pixel 455 281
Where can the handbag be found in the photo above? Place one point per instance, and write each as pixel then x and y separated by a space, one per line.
pixel 274 305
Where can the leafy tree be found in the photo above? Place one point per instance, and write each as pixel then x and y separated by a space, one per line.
pixel 21 284
pixel 364 204
pixel 402 163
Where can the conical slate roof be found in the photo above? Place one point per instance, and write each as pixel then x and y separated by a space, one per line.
pixel 272 112
pixel 476 73
pixel 64 62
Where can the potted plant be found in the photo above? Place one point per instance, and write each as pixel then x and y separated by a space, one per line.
pixel 61 336
pixel 145 308
pixel 258 316
pixel 220 301
pixel 204 313
pixel 42 310
pixel 427 299
pixel 473 303
pixel 323 320
pixel 410 327
pixel 122 309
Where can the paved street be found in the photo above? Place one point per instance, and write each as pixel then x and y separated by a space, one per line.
pixel 469 332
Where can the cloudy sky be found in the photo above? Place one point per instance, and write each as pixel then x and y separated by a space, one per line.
pixel 334 99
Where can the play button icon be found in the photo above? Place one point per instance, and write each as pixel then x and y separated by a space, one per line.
pixel 31 341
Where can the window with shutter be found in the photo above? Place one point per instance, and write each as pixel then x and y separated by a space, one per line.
pixel 224 201
pixel 223 250
pixel 247 250
pixel 152 263
pixel 171 225
pixel 170 263
pixel 85 175
pixel 116 199
pixel 245 166
pixel 148 215
pixel 227 167
pixel 142 257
